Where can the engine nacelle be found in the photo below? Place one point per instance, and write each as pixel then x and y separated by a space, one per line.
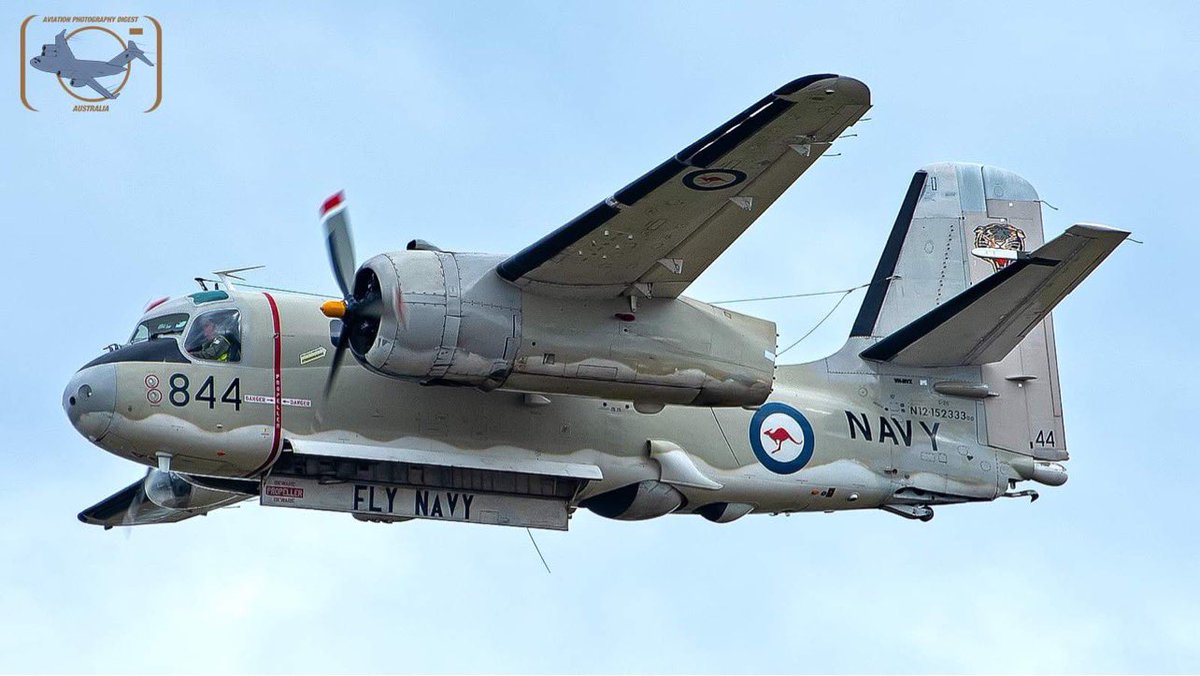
pixel 446 318
pixel 449 319
pixel 635 502
pixel 724 512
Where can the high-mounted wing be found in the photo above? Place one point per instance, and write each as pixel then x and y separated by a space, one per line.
pixel 657 234
pixel 60 44
pixel 91 82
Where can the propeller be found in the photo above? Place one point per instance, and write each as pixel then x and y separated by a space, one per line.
pixel 362 299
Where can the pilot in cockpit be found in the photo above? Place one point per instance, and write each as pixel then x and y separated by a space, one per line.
pixel 216 336
pixel 214 345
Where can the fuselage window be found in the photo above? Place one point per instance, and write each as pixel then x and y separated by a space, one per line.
pixel 166 325
pixel 216 336
pixel 335 330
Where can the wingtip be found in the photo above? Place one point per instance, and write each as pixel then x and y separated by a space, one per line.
pixel 1098 229
pixel 802 82
pixel 856 90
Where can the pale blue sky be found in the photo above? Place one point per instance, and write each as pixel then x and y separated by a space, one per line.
pixel 482 126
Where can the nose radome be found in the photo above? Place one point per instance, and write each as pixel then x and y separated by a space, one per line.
pixel 90 400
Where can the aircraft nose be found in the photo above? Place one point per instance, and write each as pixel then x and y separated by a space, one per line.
pixel 91 399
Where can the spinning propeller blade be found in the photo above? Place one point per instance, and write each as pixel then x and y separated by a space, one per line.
pixel 361 306
pixel 339 354
pixel 340 246
pixel 339 243
pixel 359 313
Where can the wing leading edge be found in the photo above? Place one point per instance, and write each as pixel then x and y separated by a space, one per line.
pixel 656 235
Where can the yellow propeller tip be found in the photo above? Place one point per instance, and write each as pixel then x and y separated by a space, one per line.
pixel 334 309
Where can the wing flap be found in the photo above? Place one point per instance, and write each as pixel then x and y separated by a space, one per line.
pixel 985 322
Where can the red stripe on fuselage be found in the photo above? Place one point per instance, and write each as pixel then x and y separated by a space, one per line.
pixel 278 373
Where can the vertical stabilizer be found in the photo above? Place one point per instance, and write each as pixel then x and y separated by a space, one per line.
pixel 960 224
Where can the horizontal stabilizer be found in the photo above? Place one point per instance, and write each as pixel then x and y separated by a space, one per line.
pixel 983 323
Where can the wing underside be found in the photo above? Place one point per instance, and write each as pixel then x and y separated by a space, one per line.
pixel 657 234
pixel 131 506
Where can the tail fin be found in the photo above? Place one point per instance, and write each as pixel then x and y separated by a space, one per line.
pixel 966 280
pixel 132 51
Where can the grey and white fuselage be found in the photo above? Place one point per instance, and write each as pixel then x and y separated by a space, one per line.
pixel 513 390
pixel 883 435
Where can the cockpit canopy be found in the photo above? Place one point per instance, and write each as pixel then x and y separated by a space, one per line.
pixel 215 335
pixel 163 325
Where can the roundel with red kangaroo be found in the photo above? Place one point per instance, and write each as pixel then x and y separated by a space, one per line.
pixel 781 437
pixel 713 179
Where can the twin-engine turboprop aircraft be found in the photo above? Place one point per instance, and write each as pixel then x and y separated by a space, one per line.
pixel 514 389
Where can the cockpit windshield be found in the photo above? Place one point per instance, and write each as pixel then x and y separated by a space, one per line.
pixel 216 336
pixel 164 325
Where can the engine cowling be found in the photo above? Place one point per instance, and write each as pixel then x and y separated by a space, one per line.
pixel 724 512
pixel 636 502
pixel 448 319
pixel 445 319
